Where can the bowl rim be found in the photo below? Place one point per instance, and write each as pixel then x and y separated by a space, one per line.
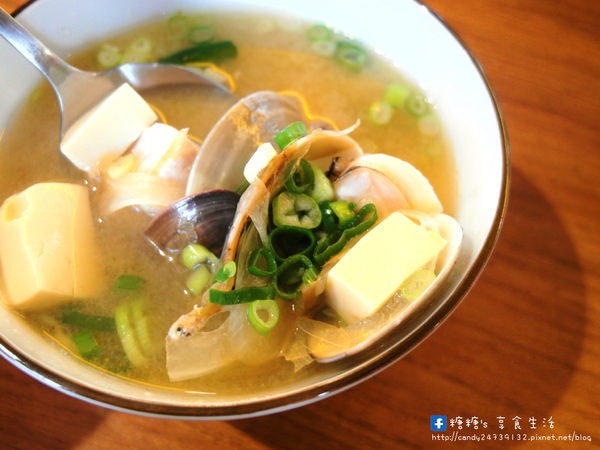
pixel 302 396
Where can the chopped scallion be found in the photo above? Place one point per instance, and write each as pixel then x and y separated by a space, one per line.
pixel 203 52
pixel 138 51
pixel 286 241
pixel 319 33
pixel 416 104
pixel 322 189
pixel 302 179
pixel 290 276
pixel 226 272
pixel 127 334
pixel 178 26
pixel 101 323
pixel 343 212
pixel 380 113
pixel 195 254
pixel 86 344
pixel 289 134
pixel 128 283
pixel 201 34
pixel 242 295
pixel 270 265
pixel 198 280
pixel 296 210
pixel 263 315
pixel 350 56
pixel 109 56
pixel 416 284
pixel 396 95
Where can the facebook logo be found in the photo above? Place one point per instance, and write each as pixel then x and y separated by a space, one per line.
pixel 438 423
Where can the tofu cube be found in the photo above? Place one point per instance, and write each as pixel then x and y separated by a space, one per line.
pixel 375 268
pixel 107 129
pixel 48 251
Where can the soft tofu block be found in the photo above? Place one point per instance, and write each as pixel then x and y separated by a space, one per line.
pixel 375 268
pixel 107 129
pixel 258 161
pixel 48 250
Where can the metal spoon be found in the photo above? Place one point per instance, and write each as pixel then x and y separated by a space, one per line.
pixel 78 91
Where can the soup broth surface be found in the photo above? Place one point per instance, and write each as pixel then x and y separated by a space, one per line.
pixel 273 54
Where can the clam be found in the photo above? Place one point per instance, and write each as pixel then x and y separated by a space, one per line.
pixel 203 218
pixel 185 335
pixel 253 120
pixel 327 343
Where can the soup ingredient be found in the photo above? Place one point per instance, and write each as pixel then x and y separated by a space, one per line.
pixel 47 246
pixel 178 26
pixel 351 56
pixel 258 161
pixel 289 134
pixel 319 33
pixel 417 283
pixel 109 56
pixel 226 272
pixel 396 95
pixel 201 34
pixel 416 104
pixel 268 267
pixel 203 52
pixel 409 181
pixel 198 280
pixel 325 48
pixel 204 218
pixel 128 283
pixel 77 319
pixel 371 271
pixel 263 315
pixel 135 331
pixel 298 210
pixel 195 254
pixel 322 190
pixel 124 112
pixel 140 50
pixel 86 344
pixel 380 113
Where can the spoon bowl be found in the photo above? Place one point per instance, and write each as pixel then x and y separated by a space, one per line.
pixel 78 91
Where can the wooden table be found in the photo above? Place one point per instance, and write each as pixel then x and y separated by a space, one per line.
pixel 526 340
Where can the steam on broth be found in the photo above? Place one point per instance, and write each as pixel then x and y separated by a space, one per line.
pixel 296 65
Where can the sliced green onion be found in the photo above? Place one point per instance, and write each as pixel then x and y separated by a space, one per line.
pixel 143 329
pixel 138 51
pixel 203 52
pixel 127 334
pixel 365 219
pixel 416 104
pixel 195 254
pixel 128 283
pixel 380 113
pixel 319 33
pixel 242 188
pixel 396 95
pixel 201 34
pixel 302 180
pixel 289 134
pixel 290 276
pixel 416 284
pixel 343 212
pixel 269 258
pixel 322 189
pixel 296 210
pixel 350 56
pixel 226 272
pixel 109 56
pixel 325 48
pixel 429 125
pixel 286 241
pixel 101 323
pixel 328 217
pixel 309 276
pixel 86 344
pixel 242 295
pixel 198 280
pixel 178 26
pixel 263 315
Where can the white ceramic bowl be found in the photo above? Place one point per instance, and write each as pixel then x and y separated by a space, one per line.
pixel 406 32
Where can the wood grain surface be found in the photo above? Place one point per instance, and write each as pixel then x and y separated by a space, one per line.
pixel 526 340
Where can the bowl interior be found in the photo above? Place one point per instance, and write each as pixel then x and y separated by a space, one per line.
pixel 420 46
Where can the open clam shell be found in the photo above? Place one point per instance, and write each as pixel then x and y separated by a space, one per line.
pixel 327 343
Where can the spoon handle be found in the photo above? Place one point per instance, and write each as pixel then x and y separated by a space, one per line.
pixel 49 64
